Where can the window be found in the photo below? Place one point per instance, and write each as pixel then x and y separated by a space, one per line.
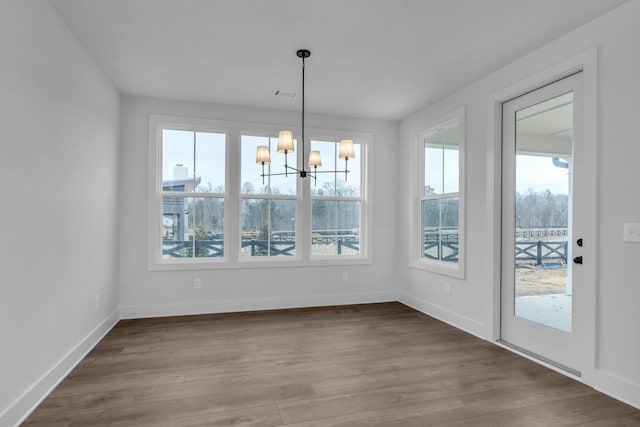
pixel 210 207
pixel 192 192
pixel 440 197
pixel 336 203
pixel 268 213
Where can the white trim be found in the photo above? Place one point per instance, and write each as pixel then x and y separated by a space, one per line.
pixel 254 304
pixel 618 388
pixel 22 407
pixel 154 170
pixel 232 259
pixel 264 262
pixel 587 62
pixel 431 126
pixel 454 319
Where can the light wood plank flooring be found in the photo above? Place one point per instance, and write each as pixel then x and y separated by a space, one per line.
pixel 373 365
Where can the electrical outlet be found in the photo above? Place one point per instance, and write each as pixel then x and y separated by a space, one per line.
pixel 197 283
pixel 632 232
pixel 345 276
pixel 97 300
pixel 447 289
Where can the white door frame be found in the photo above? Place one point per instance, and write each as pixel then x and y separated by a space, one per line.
pixel 560 347
pixel 587 63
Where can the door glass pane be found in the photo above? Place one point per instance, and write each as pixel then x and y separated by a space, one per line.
pixel 544 139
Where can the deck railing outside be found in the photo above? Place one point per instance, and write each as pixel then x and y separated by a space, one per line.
pixel 438 246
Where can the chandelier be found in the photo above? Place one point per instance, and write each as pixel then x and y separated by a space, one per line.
pixel 285 145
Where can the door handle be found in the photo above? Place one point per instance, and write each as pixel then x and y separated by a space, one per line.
pixel 578 259
pixel 579 242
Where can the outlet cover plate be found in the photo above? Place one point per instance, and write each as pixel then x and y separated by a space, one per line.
pixel 632 232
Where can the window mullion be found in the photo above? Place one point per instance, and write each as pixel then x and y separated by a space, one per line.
pixel 335 168
pixel 440 207
pixel 193 200
pixel 269 207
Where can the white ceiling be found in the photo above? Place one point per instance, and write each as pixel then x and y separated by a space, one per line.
pixel 381 59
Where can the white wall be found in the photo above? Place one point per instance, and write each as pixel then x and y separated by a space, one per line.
pixel 617 36
pixel 152 293
pixel 58 170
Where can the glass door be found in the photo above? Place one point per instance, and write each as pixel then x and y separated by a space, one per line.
pixel 538 307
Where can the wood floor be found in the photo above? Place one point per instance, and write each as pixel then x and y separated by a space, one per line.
pixel 373 365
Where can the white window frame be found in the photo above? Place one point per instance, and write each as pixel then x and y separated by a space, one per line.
pixel 155 196
pixel 362 198
pixel 446 268
pixel 233 198
pixel 275 159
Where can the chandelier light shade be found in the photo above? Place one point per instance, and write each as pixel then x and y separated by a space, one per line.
pixel 285 141
pixel 346 149
pixel 314 159
pixel 262 155
pixel 285 145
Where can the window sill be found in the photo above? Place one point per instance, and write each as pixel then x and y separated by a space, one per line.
pixel 255 263
pixel 439 267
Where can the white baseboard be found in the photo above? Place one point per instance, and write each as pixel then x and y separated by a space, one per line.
pixel 618 388
pixel 254 304
pixel 20 409
pixel 454 319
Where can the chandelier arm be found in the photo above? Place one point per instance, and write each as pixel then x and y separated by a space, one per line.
pixel 294 169
pixel 340 171
pixel 287 168
pixel 273 174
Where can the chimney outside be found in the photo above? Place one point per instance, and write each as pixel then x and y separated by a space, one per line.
pixel 180 172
